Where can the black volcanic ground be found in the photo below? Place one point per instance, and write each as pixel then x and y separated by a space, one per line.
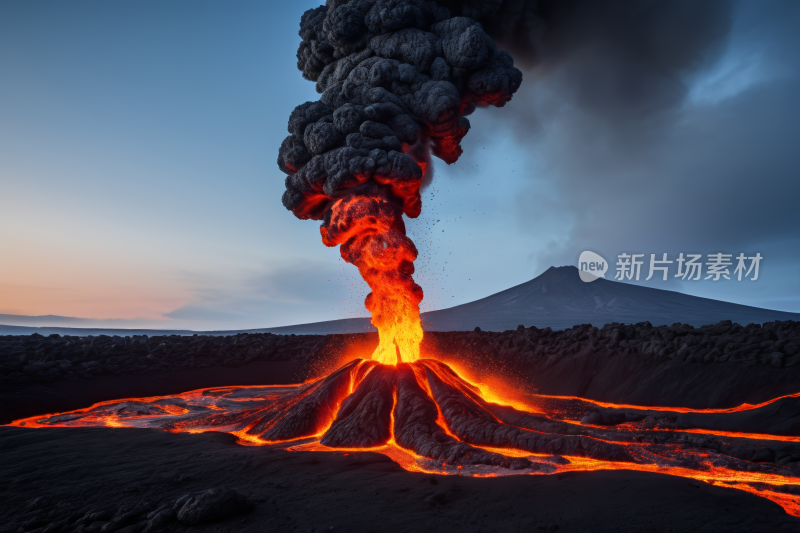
pixel 93 477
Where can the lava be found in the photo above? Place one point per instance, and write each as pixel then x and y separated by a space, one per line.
pixel 738 408
pixel 427 418
pixel 370 229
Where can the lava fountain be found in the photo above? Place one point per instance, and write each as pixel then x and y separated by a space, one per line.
pixel 398 78
pixel 372 235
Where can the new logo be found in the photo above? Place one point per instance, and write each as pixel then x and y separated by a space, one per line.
pixel 591 266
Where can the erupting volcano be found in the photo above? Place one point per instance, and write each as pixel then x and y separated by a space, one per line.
pixel 398 78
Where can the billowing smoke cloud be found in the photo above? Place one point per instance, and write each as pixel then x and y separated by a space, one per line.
pixel 671 113
pixel 398 79
pixel 617 58
pixel 401 76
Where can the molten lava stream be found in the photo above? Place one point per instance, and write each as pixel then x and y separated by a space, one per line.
pixel 739 408
pixel 427 418
pixel 738 435
pixel 407 459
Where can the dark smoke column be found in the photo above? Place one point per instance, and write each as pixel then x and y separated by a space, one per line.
pixel 398 78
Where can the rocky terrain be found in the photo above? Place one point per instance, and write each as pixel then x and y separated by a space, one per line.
pixel 776 343
pixel 36 358
pixel 135 480
pixel 715 366
pixel 608 363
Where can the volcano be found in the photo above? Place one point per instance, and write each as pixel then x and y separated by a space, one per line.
pixel 427 418
pixel 398 80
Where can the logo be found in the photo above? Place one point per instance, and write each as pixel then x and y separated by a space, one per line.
pixel 591 266
pixel 690 266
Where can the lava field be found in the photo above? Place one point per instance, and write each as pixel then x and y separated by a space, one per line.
pixel 427 418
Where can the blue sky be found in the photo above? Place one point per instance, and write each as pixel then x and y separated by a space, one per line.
pixel 137 165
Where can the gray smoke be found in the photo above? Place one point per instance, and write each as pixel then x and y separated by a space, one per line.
pixel 397 78
pixel 616 58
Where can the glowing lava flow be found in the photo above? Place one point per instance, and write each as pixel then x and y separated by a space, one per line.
pixel 737 409
pixel 428 419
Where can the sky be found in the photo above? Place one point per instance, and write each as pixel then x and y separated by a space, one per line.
pixel 139 184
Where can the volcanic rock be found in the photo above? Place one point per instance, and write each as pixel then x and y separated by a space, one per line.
pixel 423 407
pixel 160 519
pixel 416 428
pixel 210 506
pixel 126 517
pixel 364 419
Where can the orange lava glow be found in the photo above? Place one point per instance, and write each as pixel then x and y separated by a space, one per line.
pixel 268 410
pixel 739 435
pixel 743 407
pixel 493 390
pixel 721 477
pixel 372 236
pixel 407 459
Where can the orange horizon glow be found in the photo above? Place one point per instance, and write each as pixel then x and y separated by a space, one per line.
pixel 80 298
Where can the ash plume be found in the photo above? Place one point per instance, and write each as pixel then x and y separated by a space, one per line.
pixel 398 79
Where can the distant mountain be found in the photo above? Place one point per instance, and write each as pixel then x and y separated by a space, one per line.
pixel 67 325
pixel 80 332
pixel 557 299
pixel 50 320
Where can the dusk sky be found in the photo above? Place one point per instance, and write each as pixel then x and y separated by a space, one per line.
pixel 138 175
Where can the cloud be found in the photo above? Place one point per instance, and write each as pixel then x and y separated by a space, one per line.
pixel 693 152
pixel 717 178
